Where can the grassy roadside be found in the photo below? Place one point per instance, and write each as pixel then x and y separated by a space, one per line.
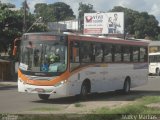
pixel 138 107
pixel 138 110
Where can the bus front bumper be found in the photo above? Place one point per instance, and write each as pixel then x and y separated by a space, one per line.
pixel 57 91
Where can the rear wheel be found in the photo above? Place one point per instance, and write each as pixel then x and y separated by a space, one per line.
pixel 85 89
pixel 43 96
pixel 126 87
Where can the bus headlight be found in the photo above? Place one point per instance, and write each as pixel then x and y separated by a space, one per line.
pixel 60 83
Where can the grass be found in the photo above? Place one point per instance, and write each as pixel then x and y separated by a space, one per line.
pixel 78 105
pixel 45 109
pixel 138 109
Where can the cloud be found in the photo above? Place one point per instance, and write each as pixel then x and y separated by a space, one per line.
pixel 5 1
pixel 32 3
pixel 150 6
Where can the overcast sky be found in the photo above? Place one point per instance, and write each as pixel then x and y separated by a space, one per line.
pixel 150 6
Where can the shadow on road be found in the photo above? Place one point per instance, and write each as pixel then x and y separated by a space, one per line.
pixel 109 96
pixel 7 87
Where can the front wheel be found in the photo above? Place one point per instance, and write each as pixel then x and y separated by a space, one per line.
pixel 157 72
pixel 43 96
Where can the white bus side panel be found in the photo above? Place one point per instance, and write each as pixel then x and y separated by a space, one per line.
pixel 103 78
pixel 153 67
pixel 109 77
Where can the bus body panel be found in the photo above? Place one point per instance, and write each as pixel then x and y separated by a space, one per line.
pixel 153 67
pixel 103 76
pixel 154 63
pixel 103 79
pixel 109 78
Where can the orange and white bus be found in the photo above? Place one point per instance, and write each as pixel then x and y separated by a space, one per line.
pixel 69 64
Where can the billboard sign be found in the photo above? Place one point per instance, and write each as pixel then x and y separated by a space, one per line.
pixel 104 23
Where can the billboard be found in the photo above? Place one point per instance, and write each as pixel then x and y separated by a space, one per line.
pixel 104 23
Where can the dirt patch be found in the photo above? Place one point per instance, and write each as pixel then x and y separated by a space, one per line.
pixel 109 100
pixel 89 107
pixel 154 105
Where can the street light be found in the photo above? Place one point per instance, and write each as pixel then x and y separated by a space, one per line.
pixel 33 24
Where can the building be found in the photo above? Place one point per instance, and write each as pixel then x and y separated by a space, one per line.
pixel 154 46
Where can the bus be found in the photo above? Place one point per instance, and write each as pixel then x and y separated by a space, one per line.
pixel 154 63
pixel 68 64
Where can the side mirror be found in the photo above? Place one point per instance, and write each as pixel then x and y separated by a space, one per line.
pixel 14 50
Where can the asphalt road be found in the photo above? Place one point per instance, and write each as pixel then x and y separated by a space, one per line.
pixel 13 102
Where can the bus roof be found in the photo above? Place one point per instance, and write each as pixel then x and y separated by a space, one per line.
pixel 108 40
pixel 82 37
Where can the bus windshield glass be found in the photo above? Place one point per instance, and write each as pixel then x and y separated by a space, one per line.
pixel 49 56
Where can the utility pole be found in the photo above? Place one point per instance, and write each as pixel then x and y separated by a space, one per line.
pixel 25 13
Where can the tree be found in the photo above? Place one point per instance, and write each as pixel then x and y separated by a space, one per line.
pixel 58 11
pixel 62 11
pixel 139 24
pixel 41 10
pixel 84 8
pixel 10 23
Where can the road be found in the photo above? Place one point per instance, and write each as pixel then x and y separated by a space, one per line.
pixel 13 102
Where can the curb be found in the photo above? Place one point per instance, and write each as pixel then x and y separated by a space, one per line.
pixel 3 84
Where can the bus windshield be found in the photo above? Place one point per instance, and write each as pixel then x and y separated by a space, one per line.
pixel 43 56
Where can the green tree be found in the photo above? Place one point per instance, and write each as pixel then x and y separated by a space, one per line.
pixel 139 24
pixel 62 11
pixel 41 10
pixel 84 8
pixel 58 11
pixel 11 25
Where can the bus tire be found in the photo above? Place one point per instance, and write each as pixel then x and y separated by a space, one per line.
pixel 85 89
pixel 126 86
pixel 157 72
pixel 43 96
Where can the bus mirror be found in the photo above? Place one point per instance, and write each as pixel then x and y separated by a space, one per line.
pixel 14 50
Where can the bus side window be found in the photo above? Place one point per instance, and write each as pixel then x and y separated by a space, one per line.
pixel 146 55
pixel 143 57
pixel 99 53
pixel 85 52
pixel 126 54
pixel 74 55
pixel 107 53
pixel 93 52
pixel 135 54
pixel 118 53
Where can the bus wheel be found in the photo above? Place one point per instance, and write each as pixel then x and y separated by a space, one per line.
pixel 127 85
pixel 43 96
pixel 157 72
pixel 85 89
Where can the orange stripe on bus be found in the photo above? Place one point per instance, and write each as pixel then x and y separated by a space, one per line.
pixel 26 80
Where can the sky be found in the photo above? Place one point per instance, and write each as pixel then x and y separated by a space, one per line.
pixel 150 6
